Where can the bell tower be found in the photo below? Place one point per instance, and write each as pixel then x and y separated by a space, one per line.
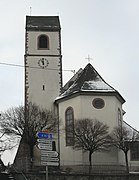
pixel 43 60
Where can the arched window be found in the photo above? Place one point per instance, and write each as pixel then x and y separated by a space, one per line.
pixel 43 42
pixel 69 123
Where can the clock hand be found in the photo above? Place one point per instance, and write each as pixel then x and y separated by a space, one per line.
pixel 42 62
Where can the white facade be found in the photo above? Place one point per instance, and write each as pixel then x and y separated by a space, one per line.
pixel 42 83
pixel 32 43
pixel 83 108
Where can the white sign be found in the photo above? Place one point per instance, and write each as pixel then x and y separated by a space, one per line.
pixel 45 141
pixel 49 153
pixel 43 163
pixel 49 159
pixel 45 146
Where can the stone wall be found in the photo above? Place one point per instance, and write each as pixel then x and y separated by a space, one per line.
pixel 55 176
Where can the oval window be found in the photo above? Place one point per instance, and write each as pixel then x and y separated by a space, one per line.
pixel 98 103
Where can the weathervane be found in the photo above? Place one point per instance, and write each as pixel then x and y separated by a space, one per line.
pixel 89 58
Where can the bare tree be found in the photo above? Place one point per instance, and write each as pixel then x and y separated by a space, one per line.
pixel 90 135
pixel 122 137
pixel 12 121
pixel 6 143
pixel 26 122
pixel 37 119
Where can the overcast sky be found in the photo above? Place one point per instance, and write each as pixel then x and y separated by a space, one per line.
pixel 107 30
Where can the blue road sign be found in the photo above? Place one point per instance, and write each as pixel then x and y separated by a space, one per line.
pixel 44 135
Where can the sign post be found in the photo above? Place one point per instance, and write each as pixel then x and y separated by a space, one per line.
pixel 48 157
pixel 46 172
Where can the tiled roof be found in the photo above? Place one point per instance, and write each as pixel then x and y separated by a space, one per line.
pixel 89 81
pixel 71 81
pixel 42 23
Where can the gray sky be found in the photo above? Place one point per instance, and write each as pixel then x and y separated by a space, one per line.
pixel 107 30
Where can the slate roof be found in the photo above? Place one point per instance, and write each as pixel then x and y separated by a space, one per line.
pixel 71 81
pixel 89 81
pixel 35 23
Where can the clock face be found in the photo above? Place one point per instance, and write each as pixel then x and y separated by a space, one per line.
pixel 43 62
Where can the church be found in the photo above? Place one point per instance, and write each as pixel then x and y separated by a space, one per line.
pixel 85 95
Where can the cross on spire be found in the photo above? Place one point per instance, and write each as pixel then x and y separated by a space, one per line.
pixel 89 58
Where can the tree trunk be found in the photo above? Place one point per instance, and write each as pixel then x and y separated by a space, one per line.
pixel 126 160
pixel 90 158
pixel 90 162
pixel 31 156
